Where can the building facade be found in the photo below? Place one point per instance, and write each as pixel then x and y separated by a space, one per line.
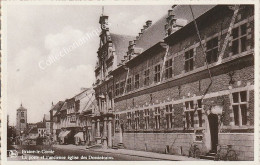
pixel 71 119
pixel 172 88
pixel 111 52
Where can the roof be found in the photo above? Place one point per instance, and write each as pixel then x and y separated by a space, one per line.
pixel 152 34
pixel 58 107
pixel 120 43
pixel 40 125
pixel 90 105
pixel 82 93
pixel 156 32
pixel 21 108
pixel 64 106
pixel 34 130
pixel 70 102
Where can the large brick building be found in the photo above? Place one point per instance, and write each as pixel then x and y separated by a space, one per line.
pixel 166 89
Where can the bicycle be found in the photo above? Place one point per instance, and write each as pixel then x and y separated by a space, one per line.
pixel 230 154
pixel 194 151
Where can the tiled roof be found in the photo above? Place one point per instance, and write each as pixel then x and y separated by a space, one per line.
pixel 156 33
pixel 120 43
pixel 152 34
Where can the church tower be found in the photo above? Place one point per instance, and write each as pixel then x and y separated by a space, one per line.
pixel 21 120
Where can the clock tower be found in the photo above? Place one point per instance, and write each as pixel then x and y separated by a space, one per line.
pixel 21 120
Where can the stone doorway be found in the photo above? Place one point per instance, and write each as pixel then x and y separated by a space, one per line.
pixel 213 126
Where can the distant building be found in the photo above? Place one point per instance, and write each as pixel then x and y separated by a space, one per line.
pixel 72 118
pixel 31 125
pixel 33 135
pixel 21 120
pixel 47 122
pixel 41 129
pixel 55 119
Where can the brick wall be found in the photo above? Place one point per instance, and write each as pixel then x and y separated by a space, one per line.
pixel 220 83
pixel 243 144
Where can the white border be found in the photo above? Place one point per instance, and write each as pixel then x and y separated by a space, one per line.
pixel 128 2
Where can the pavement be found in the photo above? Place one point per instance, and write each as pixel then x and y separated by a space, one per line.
pixel 144 154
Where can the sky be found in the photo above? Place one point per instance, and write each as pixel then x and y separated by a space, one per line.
pixel 37 33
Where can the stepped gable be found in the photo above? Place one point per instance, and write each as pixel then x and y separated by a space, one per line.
pixel 120 44
pixel 156 32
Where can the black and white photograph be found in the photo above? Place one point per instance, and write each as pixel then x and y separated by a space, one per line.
pixel 121 81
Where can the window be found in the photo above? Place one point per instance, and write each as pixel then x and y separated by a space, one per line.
pixel 117 121
pixel 117 89
pixel 168 69
pixel 122 86
pixel 22 114
pixel 157 73
pixel 72 119
pixel 137 119
pixel 146 77
pixel 137 81
pixel 129 85
pixel 189 60
pixel 212 50
pixel 199 111
pixel 168 113
pixel 157 118
pixel 146 118
pixel 239 105
pixel 189 113
pixel 129 121
pixel 239 39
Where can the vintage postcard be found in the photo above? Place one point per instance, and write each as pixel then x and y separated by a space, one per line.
pixel 129 81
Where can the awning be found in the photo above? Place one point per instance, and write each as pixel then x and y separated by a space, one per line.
pixel 60 134
pixel 65 134
pixel 80 135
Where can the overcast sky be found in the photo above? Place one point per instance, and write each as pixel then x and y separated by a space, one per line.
pixel 38 32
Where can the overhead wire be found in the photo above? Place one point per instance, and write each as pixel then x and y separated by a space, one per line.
pixel 205 56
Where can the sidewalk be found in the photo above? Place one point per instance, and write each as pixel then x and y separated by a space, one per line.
pixel 132 153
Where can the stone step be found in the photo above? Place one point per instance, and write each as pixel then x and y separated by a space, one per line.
pixel 115 147
pixel 207 157
pixel 121 146
pixel 211 154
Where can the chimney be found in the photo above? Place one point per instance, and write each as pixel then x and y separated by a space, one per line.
pixel 173 6
pixel 145 27
pixel 148 23
pixel 142 30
